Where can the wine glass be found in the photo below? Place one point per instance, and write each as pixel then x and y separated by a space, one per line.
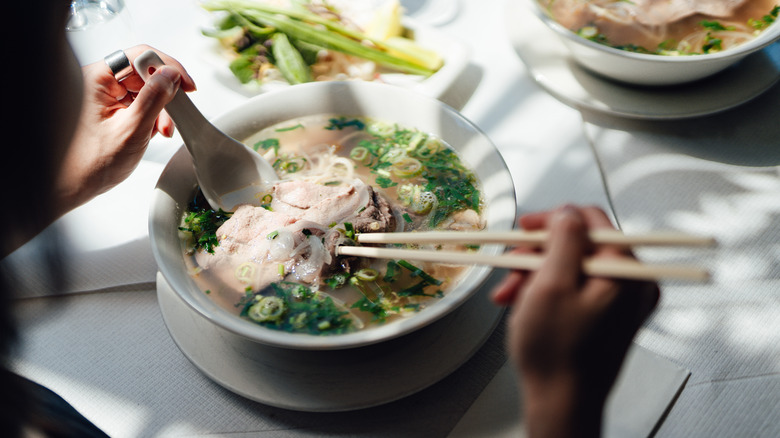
pixel 96 28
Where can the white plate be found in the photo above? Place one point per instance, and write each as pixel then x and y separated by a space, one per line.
pixel 549 63
pixel 455 53
pixel 331 381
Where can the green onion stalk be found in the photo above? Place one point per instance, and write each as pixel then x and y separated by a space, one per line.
pixel 329 34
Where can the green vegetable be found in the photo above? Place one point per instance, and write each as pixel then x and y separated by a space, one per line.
pixel 268 143
pixel 764 22
pixel 266 309
pixel 714 25
pixel 712 44
pixel 303 311
pixel 367 274
pixel 289 60
pixel 336 280
pixel 391 272
pixel 395 154
pixel 329 34
pixel 376 308
pixel 202 222
pixel 343 122
pixel 290 128
pixel 349 230
pixel 418 272
pixel 287 164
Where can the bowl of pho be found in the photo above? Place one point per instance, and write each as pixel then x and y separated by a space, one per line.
pixel 649 42
pixel 353 158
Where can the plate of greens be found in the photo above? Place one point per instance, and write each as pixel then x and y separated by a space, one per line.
pixel 265 46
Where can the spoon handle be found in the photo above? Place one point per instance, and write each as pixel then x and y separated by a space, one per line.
pixel 188 119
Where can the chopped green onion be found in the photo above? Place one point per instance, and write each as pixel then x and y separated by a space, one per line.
pixel 418 272
pixel 367 274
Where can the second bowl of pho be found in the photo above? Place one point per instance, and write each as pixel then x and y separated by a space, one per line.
pixel 352 158
pixel 648 42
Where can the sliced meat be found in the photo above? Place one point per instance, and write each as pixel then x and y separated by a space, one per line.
pixel 295 234
pixel 320 203
pixel 660 12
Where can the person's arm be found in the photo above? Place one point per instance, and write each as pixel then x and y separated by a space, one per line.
pixel 81 154
pixel 568 333
pixel 117 121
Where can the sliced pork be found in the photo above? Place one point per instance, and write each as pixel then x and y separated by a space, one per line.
pixel 297 237
pixel 662 12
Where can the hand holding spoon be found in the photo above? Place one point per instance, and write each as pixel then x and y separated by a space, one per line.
pixel 229 172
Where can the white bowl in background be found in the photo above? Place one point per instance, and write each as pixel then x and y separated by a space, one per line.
pixel 647 69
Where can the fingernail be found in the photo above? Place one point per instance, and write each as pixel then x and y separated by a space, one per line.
pixel 171 74
pixel 565 211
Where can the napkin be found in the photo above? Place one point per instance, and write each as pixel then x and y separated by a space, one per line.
pixel 103 244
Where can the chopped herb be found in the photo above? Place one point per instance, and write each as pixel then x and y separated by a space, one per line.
pixel 764 22
pixel 306 232
pixel 203 223
pixel 407 218
pixel 342 122
pixel 290 128
pixel 373 307
pixel 289 164
pixel 385 182
pixel 711 44
pixel 714 26
pixel 272 235
pixel 366 274
pixel 304 311
pixel 419 272
pixel 417 290
pixel 392 271
pixel 268 143
pixel 349 230
pixel 336 280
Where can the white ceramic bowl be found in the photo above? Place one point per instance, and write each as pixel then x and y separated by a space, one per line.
pixel 407 108
pixel 645 69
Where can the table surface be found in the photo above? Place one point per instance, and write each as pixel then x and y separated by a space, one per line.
pixel 717 175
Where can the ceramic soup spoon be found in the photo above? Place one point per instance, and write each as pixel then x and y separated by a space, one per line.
pixel 229 172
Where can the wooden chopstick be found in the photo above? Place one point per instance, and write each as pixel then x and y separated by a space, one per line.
pixel 536 238
pixel 613 268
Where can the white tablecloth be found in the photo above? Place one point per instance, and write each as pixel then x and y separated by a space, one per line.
pixel 717 175
pixel 105 348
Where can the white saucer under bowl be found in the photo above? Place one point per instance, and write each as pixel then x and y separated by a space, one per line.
pixel 331 380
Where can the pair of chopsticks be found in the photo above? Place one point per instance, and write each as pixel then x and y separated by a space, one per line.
pixel 614 268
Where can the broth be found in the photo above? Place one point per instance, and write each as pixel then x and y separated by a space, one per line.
pixel 677 28
pixel 339 176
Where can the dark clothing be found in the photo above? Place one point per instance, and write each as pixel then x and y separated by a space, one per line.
pixel 50 414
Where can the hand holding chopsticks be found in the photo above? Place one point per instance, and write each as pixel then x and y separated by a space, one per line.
pixel 615 268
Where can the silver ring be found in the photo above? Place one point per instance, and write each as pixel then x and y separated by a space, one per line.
pixel 119 65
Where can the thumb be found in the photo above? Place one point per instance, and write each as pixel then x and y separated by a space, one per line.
pixel 153 96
